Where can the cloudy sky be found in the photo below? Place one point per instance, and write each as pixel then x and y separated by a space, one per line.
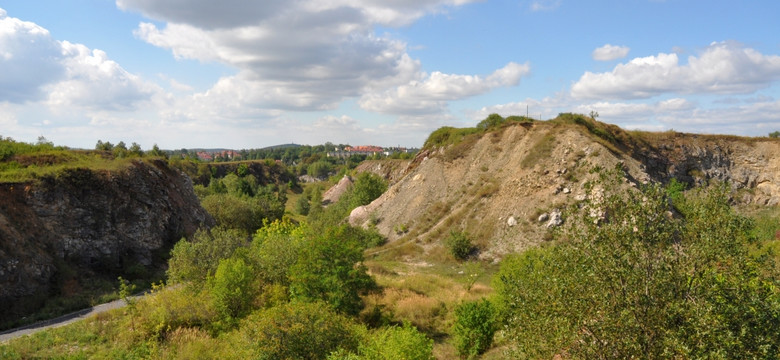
pixel 249 74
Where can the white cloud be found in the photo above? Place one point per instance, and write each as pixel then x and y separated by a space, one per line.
pixel 610 52
pixel 35 67
pixel 544 5
pixel 430 93
pixel 94 81
pixel 29 59
pixel 305 55
pixel 722 68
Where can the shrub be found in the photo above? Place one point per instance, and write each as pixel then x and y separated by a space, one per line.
pixel 644 284
pixel 367 187
pixel 276 247
pixel 329 269
pixel 391 343
pixel 243 212
pixel 475 325
pixel 232 288
pixel 198 259
pixel 492 121
pixel 297 330
pixel 459 244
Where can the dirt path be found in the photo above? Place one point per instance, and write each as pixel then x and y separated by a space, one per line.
pixel 59 321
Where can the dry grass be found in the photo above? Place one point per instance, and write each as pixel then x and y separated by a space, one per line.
pixel 541 150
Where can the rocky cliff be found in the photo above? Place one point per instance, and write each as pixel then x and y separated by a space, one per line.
pixel 91 222
pixel 506 187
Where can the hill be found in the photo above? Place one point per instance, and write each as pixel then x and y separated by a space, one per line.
pixel 505 186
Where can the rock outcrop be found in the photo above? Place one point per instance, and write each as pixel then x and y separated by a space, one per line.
pixel 91 222
pixel 524 171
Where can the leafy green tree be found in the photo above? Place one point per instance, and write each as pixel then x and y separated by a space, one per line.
pixel 135 150
pixel 319 169
pixel 157 152
pixel 233 288
pixel 367 188
pixel 106 146
pixel 302 206
pixel 197 259
pixel 493 120
pixel 475 325
pixel 775 134
pixel 241 212
pixel 329 269
pixel 631 280
pixel 120 150
pixel 276 247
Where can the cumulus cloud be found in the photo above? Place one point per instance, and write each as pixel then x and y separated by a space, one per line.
pixel 304 55
pixel 94 81
pixel 29 59
pixel 36 67
pixel 610 52
pixel 430 93
pixel 722 68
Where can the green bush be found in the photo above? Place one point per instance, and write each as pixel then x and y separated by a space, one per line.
pixel 641 283
pixel 391 343
pixel 243 212
pixel 367 188
pixel 475 325
pixel 297 330
pixel 198 259
pixel 233 288
pixel 329 269
pixel 492 121
pixel 459 244
pixel 276 247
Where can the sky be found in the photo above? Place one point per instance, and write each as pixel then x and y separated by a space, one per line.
pixel 249 74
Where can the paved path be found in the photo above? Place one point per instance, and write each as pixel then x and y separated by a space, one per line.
pixel 60 321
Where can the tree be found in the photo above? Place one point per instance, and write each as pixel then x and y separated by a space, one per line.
pixel 120 150
pixel 329 269
pixel 493 120
pixel 302 206
pixel 157 152
pixel 196 260
pixel 232 288
pixel 106 146
pixel 367 188
pixel 475 325
pixel 775 134
pixel 319 169
pixel 135 150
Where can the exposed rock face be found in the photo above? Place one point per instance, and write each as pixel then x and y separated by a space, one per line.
pixel 333 194
pixel 96 221
pixel 752 165
pixel 526 170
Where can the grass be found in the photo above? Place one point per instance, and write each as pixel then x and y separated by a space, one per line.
pixel 540 151
pixel 29 169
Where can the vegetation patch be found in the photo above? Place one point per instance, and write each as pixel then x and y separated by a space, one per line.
pixel 541 150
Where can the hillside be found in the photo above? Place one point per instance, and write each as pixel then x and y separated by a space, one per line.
pixel 505 187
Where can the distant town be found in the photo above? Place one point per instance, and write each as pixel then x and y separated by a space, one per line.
pixel 340 151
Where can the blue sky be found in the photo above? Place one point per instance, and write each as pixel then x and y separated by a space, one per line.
pixel 249 74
